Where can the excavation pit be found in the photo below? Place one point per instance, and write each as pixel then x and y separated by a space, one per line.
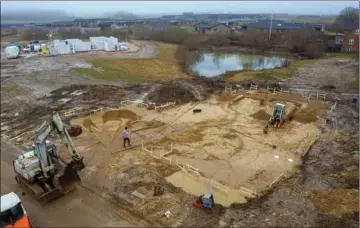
pixel 221 149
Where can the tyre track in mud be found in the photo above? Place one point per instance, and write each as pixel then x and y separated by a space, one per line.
pixel 68 210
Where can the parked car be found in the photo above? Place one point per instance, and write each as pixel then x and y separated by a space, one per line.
pixel 32 47
pixel 34 42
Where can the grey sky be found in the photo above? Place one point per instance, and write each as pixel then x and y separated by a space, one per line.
pixel 97 8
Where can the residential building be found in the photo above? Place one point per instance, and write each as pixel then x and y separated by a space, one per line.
pixel 22 28
pixel 91 22
pixel 85 30
pixel 159 25
pixel 275 25
pixel 62 24
pixel 212 27
pixel 7 30
pixel 335 41
pixel 281 26
pixel 351 36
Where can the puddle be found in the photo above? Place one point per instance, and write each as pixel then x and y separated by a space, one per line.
pixel 77 92
pixel 195 187
pixel 64 100
pixel 82 65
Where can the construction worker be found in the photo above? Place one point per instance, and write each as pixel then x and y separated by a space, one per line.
pixel 126 136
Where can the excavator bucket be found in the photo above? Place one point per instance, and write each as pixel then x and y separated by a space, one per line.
pixel 74 130
pixel 67 178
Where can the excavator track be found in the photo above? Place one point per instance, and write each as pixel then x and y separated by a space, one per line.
pixel 42 196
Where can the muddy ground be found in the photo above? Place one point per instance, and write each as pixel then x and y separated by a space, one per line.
pixel 324 74
pixel 298 201
pixel 322 193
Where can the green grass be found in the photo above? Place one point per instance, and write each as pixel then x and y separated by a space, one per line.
pixel 327 33
pixel 7 89
pixel 342 55
pixel 355 84
pixel 162 67
pixel 281 74
pixel 11 38
pixel 33 78
pixel 188 28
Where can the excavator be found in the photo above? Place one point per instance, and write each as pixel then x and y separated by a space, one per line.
pixel 41 169
pixel 277 118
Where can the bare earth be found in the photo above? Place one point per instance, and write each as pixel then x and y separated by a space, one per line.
pixel 327 72
pixel 225 142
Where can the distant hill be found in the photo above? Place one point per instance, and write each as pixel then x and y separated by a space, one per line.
pixel 121 15
pixel 33 15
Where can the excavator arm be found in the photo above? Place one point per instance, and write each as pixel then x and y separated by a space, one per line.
pixel 54 123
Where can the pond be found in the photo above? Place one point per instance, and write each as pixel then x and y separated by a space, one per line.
pixel 215 64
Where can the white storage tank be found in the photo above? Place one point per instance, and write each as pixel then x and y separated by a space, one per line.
pixel 12 52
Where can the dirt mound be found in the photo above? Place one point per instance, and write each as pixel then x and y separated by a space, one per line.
pixel 170 92
pixel 261 115
pixel 308 114
pixel 335 202
pixel 89 92
pixel 186 90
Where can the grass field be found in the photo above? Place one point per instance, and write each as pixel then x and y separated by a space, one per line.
pixel 355 84
pixel 342 55
pixel 162 67
pixel 281 74
pixel 11 38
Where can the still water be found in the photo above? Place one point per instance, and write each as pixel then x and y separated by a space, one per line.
pixel 214 64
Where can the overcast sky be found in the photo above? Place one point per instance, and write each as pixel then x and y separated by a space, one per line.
pixel 97 8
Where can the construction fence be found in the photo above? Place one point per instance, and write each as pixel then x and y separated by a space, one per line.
pixel 308 94
pixel 192 171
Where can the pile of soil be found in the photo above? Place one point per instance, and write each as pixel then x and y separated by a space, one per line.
pixel 309 114
pixel 91 92
pixel 186 90
pixel 171 92
pixel 226 97
pixel 335 202
pixel 261 115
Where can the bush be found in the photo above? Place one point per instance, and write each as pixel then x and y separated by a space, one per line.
pixel 35 34
pixel 306 43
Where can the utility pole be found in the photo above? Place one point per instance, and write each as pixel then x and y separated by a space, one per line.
pixel 33 36
pixel 271 19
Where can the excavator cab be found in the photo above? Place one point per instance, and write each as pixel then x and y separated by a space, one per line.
pixel 278 115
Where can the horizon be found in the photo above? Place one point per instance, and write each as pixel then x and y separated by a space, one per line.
pixel 95 9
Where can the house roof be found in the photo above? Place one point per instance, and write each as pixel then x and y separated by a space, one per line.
pixel 159 24
pixel 350 25
pixel 209 25
pixel 275 25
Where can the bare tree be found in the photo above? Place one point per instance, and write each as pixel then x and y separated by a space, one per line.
pixel 306 42
pixel 35 34
pixel 68 33
pixel 348 14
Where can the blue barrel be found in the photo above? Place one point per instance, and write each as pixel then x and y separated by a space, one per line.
pixel 355 100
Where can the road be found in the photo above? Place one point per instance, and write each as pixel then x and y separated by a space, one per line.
pixel 79 208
